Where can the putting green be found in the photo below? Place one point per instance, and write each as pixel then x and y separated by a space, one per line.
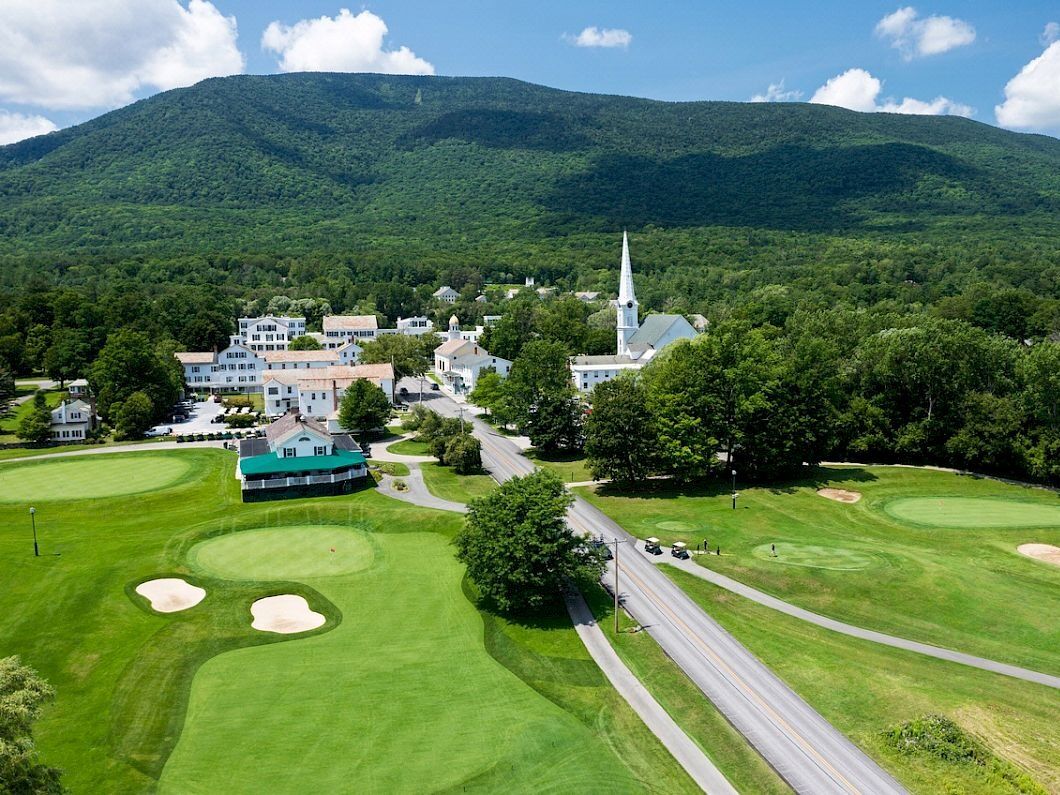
pixel 285 553
pixel 401 697
pixel 977 512
pixel 818 557
pixel 90 477
pixel 675 527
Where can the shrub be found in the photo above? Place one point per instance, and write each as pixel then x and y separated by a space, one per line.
pixel 239 401
pixel 241 420
pixel 464 454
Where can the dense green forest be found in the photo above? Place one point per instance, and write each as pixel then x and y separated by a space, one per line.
pixel 362 193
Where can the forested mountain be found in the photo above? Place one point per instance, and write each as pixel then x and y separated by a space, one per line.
pixel 251 180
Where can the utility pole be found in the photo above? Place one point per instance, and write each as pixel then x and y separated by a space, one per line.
pixel 734 489
pixel 617 542
pixel 33 521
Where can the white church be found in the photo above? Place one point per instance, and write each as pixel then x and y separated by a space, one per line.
pixel 637 343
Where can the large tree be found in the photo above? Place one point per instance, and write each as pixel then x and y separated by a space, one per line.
pixel 364 407
pixel 541 369
pixel 555 421
pixel 517 547
pixel 130 363
pixel 133 416
pixel 410 354
pixel 304 343
pixel 620 433
pixel 22 695
pixel 36 424
pixel 68 355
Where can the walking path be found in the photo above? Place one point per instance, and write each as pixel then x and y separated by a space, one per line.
pixel 787 608
pixel 689 755
pixel 417 492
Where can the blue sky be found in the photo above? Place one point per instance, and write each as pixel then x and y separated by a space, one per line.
pixel 61 63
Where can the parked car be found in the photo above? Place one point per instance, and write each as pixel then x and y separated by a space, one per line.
pixel 434 387
pixel 403 391
pixel 159 430
pixel 602 548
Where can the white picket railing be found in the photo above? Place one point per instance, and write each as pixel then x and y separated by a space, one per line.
pixel 307 480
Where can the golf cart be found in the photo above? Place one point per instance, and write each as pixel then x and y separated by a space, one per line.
pixel 679 551
pixel 651 546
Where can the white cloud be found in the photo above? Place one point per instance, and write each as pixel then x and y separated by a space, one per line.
pixel 345 43
pixel 1050 34
pixel 1032 98
pixel 16 126
pixel 99 53
pixel 776 93
pixel 856 89
pixel 601 37
pixel 915 36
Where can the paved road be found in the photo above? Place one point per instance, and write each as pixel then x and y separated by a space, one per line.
pixel 780 605
pixel 807 751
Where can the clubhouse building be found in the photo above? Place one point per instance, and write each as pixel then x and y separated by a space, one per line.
pixel 299 457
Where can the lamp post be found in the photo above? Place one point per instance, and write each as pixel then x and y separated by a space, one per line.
pixel 33 521
pixel 734 489
pixel 617 542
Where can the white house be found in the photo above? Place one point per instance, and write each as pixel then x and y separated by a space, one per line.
pixel 72 421
pixel 78 388
pixel 299 360
pixel 636 343
pixel 587 296
pixel 446 294
pixel 460 362
pixel 340 329
pixel 237 368
pixel 317 392
pixel 270 333
pixel 300 457
pixel 415 325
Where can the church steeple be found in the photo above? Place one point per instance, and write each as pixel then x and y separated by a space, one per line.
pixel 626 306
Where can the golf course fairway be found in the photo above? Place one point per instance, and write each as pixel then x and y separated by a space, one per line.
pixel 973 512
pixel 90 477
pixel 400 697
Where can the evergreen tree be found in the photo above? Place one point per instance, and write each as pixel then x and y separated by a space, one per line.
pixel 22 696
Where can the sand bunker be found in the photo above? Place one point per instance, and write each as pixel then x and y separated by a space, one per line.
pixel 840 495
pixel 1046 552
pixel 286 614
pixel 170 594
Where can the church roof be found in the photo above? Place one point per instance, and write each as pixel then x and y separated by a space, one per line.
pixel 655 327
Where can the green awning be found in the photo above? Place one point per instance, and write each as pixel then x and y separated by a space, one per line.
pixel 271 464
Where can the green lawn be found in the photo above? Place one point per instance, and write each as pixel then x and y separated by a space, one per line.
pixel 570 468
pixel 81 477
pixel 407 687
pixel 445 483
pixel 864 688
pixel 963 587
pixel 10 420
pixel 409 447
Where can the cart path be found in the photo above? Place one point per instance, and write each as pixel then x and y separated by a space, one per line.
pixel 689 755
pixel 787 608
pixel 417 492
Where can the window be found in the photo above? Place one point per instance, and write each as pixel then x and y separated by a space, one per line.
pixel 320 451
pixel 273 390
pixel 289 452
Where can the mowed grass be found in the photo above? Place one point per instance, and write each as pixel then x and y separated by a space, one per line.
pixel 82 477
pixel 409 447
pixel 569 468
pixel 445 483
pixel 864 688
pixel 962 587
pixel 404 651
pixel 973 512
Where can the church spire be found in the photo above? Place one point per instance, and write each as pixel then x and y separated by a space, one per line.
pixel 626 305
pixel 625 282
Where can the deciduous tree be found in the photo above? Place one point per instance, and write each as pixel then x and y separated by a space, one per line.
pixel 23 693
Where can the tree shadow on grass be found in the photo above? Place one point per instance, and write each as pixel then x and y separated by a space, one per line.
pixel 669 488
